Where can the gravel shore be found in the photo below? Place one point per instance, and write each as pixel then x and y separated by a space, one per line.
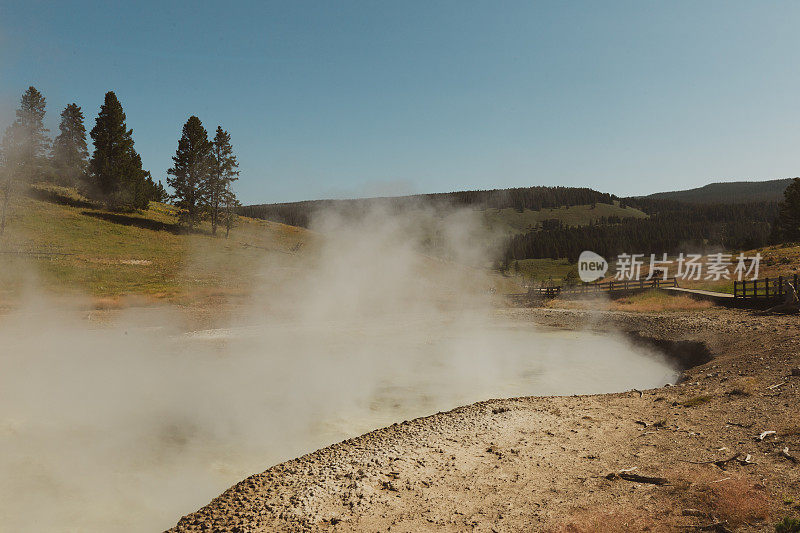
pixel 567 463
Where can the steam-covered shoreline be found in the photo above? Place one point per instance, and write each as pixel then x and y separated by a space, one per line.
pixel 530 463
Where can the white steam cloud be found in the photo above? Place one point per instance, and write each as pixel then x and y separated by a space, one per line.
pixel 128 427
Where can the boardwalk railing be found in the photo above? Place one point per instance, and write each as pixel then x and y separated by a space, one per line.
pixel 763 289
pixel 605 287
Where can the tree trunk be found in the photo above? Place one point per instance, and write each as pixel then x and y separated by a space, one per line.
pixel 6 198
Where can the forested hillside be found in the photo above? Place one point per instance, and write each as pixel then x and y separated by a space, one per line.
pixel 519 199
pixel 732 192
pixel 672 227
pixel 561 222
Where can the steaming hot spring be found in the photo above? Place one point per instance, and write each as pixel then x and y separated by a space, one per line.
pixel 126 429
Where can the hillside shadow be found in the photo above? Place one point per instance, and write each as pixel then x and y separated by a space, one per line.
pixel 144 223
pixel 55 197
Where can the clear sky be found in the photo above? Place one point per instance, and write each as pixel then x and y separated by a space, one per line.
pixel 340 98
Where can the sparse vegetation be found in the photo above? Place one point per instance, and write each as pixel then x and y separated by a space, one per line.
pixel 745 386
pixel 653 301
pixel 732 500
pixel 698 400
pixel 614 521
pixel 788 525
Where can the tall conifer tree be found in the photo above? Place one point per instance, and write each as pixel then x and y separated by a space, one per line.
pixel 220 193
pixel 69 147
pixel 116 167
pixel 22 148
pixel 191 173
pixel 32 135
pixel 788 224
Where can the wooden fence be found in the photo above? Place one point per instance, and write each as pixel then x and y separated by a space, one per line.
pixel 603 288
pixel 763 289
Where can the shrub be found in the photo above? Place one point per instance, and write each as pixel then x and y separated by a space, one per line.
pixel 698 400
pixel 737 501
pixel 788 525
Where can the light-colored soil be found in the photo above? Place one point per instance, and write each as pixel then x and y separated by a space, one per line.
pixel 543 463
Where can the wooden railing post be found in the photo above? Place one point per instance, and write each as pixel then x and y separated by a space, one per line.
pixel 766 287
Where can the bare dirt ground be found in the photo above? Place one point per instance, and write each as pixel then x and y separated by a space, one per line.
pixel 561 463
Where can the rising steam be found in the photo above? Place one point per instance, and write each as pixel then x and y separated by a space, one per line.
pixel 127 427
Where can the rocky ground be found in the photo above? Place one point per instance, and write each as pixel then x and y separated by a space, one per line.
pixel 717 452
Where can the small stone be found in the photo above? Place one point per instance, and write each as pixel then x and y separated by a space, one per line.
pixel 796 371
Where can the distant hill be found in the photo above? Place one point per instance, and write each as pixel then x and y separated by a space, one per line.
pixel 735 192
pixel 513 221
pixel 518 199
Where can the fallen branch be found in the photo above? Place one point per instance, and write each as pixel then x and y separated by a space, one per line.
pixel 722 462
pixel 764 435
pixel 636 478
pixel 719 527
pixel 695 512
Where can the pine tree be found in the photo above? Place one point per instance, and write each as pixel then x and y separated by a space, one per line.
pixel 22 148
pixel 69 147
pixel 220 193
pixel 193 166
pixel 31 135
pixel 157 192
pixel 10 170
pixel 230 203
pixel 116 168
pixel 788 224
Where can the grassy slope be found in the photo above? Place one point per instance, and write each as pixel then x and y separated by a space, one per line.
pixel 513 221
pixel 138 253
pixel 63 245
pixel 578 215
pixel 775 261
pixel 541 269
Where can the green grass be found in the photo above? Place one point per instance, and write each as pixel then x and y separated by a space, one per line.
pixel 541 269
pixel 57 241
pixel 577 215
pixel 69 248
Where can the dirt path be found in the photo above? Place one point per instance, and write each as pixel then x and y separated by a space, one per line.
pixel 539 464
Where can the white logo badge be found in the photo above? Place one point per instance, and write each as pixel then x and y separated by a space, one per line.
pixel 591 266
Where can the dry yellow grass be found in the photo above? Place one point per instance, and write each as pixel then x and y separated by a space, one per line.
pixel 609 521
pixel 732 499
pixel 655 301
pixel 652 301
pixel 743 386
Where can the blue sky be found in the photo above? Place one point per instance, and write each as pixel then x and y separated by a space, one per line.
pixel 338 99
